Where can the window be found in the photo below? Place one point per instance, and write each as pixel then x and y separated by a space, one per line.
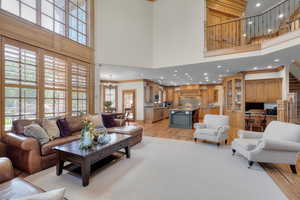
pixel 53 15
pixel 79 89
pixel 22 8
pixel 65 17
pixel 110 95
pixel 20 84
pixel 55 76
pixel 78 21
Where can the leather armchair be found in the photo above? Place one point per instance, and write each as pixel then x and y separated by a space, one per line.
pixel 6 170
pixel 279 143
pixel 24 151
pixel 12 188
pixel 213 129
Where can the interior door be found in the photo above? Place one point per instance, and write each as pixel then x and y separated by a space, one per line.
pixel 129 104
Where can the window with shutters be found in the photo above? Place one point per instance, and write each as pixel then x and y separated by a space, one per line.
pixel 79 89
pixel 55 79
pixel 20 74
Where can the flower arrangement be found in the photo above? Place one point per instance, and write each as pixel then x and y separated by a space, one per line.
pixel 91 135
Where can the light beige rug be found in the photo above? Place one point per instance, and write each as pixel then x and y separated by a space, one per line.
pixel 163 169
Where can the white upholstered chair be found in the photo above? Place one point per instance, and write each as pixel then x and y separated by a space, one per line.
pixel 279 143
pixel 213 129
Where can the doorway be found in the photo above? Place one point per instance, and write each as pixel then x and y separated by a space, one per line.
pixel 129 104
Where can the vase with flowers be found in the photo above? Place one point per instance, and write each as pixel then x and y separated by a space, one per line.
pixel 87 136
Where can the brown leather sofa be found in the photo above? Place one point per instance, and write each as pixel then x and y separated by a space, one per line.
pixel 28 155
pixel 12 188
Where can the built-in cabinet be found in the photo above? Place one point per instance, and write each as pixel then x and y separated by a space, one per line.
pixel 148 94
pixel 268 90
pixel 234 100
pixel 155 114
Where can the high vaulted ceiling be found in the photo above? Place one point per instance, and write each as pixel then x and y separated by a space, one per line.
pixel 195 73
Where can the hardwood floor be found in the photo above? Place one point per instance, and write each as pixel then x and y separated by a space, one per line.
pixel 288 182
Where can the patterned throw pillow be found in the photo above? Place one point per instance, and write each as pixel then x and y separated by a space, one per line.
pixel 109 121
pixel 96 120
pixel 51 195
pixel 51 128
pixel 37 132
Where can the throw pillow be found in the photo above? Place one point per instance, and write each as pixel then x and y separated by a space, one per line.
pixel 75 123
pixel 51 195
pixel 51 128
pixel 109 121
pixel 64 128
pixel 96 120
pixel 37 132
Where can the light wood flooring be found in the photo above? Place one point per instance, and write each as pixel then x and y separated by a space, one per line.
pixel 281 174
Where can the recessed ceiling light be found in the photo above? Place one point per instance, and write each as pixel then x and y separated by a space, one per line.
pixel 281 16
pixel 206 77
pixel 270 30
pixel 161 77
pixel 228 70
pixel 207 80
pixel 174 74
pixel 175 70
pixel 250 22
pixel 270 67
pixel 277 60
pixel 205 74
pixel 258 4
pixel 187 74
pixel 255 68
pixel 219 66
pixel 244 35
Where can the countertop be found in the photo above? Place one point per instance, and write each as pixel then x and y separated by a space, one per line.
pixel 186 109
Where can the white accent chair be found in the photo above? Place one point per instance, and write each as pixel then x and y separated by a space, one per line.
pixel 213 129
pixel 279 143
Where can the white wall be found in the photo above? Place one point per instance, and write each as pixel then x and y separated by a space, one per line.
pixel 97 90
pixel 124 32
pixel 139 95
pixel 140 33
pixel 178 32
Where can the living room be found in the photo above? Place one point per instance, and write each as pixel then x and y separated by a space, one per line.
pixel 149 99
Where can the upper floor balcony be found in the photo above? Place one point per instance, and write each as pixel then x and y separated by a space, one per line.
pixel 251 32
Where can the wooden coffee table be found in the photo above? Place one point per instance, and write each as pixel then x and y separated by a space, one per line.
pixel 85 158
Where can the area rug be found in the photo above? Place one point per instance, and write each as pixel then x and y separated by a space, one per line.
pixel 164 169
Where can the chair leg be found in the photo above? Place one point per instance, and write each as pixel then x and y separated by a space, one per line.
pixel 233 151
pixel 218 144
pixel 225 141
pixel 250 164
pixel 293 168
pixel 195 139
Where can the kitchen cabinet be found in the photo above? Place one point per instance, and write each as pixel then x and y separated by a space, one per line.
pixel 267 90
pixel 170 94
pixel 148 94
pixel 155 114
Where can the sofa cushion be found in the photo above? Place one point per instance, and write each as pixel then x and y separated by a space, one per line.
pixel 46 149
pixel 37 132
pixel 17 188
pixel 57 194
pixel 51 128
pixel 63 126
pixel 75 124
pixel 247 144
pixel 18 125
pixel 206 131
pixel 109 121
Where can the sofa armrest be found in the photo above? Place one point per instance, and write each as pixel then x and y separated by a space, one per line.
pixel 21 142
pixel 6 170
pixel 199 125
pixel 119 122
pixel 280 145
pixel 250 134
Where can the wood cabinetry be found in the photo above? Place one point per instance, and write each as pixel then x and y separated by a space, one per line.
pixel 268 90
pixel 208 110
pixel 155 114
pixel 148 94
pixel 234 100
pixel 170 94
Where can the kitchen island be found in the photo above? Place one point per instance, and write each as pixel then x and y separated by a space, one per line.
pixel 183 117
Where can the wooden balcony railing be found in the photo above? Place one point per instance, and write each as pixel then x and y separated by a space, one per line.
pixel 278 20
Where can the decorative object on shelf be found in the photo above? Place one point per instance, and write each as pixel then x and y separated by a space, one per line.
pixel 107 105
